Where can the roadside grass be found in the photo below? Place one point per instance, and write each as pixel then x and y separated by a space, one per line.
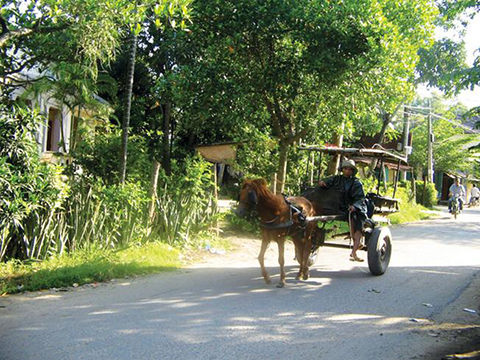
pixel 87 266
pixel 410 212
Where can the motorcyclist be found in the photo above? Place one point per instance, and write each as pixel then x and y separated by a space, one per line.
pixel 456 190
pixel 474 194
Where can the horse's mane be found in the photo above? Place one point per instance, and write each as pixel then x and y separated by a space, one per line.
pixel 262 190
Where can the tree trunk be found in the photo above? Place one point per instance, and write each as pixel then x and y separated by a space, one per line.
pixel 282 167
pixel 386 120
pixel 166 138
pixel 153 187
pixel 414 188
pixel 127 106
pixel 334 163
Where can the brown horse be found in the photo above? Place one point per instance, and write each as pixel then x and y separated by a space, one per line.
pixel 278 219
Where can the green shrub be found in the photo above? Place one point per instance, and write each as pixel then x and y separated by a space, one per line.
pixel 185 202
pixel 242 225
pixel 98 156
pixel 105 215
pixel 429 199
pixel 29 189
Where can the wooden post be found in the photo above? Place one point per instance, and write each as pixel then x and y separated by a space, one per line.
pixel 274 183
pixel 220 174
pixel 397 175
pixel 215 192
pixel 424 190
pixel 429 145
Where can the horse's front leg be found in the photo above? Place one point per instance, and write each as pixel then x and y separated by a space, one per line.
pixel 281 261
pixel 261 259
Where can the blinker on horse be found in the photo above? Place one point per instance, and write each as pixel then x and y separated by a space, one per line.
pixel 279 218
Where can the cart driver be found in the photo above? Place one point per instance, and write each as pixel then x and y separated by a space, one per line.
pixel 352 201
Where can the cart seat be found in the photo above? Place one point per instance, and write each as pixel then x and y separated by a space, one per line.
pixel 325 201
pixel 383 204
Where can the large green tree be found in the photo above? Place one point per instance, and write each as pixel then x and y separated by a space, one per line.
pixel 36 33
pixel 296 61
pixel 444 64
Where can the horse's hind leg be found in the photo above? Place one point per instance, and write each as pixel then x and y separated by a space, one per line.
pixel 307 248
pixel 281 261
pixel 261 260
pixel 299 255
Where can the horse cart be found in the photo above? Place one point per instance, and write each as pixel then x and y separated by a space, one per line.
pixel 376 236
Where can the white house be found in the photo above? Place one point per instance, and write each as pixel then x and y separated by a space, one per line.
pixel 54 137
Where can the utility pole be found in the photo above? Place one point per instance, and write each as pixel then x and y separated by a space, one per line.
pixel 406 131
pixel 429 144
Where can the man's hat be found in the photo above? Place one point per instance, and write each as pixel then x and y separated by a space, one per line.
pixel 350 164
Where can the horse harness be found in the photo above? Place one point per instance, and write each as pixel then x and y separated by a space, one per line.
pixel 293 210
pixel 272 224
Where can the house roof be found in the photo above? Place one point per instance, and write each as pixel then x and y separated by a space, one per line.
pixel 219 153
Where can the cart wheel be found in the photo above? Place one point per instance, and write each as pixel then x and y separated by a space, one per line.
pixel 379 250
pixel 312 258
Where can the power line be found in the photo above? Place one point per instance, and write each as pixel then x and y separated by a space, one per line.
pixel 454 122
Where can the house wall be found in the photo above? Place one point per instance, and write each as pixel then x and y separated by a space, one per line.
pixel 58 121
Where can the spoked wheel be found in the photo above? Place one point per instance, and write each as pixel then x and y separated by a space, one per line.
pixel 313 257
pixel 379 250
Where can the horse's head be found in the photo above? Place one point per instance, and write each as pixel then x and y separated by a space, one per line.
pixel 248 198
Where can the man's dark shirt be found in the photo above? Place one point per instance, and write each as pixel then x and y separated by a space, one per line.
pixel 351 192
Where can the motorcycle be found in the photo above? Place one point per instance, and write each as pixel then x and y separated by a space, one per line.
pixel 474 203
pixel 455 208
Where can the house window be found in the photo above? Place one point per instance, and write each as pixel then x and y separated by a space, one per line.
pixel 54 129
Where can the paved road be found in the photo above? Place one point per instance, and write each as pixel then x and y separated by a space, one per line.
pixel 221 309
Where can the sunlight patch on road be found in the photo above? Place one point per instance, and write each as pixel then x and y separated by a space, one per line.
pixel 104 312
pixel 290 313
pixel 184 305
pixel 314 327
pixel 135 331
pixel 436 272
pixel 48 297
pixel 219 296
pixel 244 319
pixel 79 307
pixel 312 316
pixel 241 327
pixel 161 301
pixel 351 317
pixel 261 290
pixel 31 328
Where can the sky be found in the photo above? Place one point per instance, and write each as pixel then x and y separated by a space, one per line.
pixel 472 44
